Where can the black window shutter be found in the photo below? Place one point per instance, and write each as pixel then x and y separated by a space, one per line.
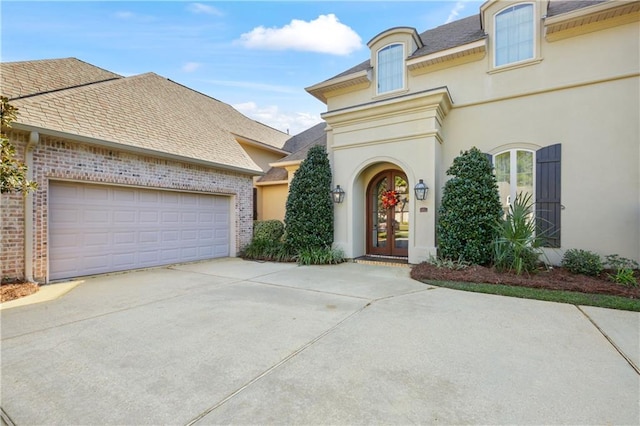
pixel 548 205
pixel 490 158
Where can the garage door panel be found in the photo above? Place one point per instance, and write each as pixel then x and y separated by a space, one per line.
pixel 148 236
pixel 97 239
pixel 99 228
pixel 125 260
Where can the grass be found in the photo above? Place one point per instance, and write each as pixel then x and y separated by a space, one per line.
pixel 574 298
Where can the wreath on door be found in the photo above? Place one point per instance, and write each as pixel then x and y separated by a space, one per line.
pixel 389 199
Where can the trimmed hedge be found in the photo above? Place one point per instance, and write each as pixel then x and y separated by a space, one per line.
pixel 309 217
pixel 469 210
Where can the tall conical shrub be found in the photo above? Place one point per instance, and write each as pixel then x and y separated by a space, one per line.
pixel 309 217
pixel 469 210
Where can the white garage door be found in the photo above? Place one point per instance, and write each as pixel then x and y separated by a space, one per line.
pixel 95 229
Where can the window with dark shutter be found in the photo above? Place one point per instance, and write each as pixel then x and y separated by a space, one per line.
pixel 548 194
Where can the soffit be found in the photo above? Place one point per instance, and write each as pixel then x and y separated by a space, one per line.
pixel 593 16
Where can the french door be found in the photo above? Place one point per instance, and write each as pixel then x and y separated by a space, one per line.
pixel 388 214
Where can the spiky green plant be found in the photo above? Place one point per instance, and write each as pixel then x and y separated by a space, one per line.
pixel 517 247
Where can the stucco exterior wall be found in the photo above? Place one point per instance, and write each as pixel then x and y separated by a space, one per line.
pixel 59 159
pixel 272 201
pixel 581 92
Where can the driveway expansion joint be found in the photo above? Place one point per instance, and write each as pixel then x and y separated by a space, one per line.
pixel 610 340
pixel 274 367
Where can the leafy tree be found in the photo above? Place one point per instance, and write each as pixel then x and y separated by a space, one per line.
pixel 469 210
pixel 13 172
pixel 309 216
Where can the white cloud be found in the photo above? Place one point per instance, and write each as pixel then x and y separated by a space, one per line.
pixel 271 115
pixel 205 9
pixel 326 34
pixel 191 66
pixel 453 15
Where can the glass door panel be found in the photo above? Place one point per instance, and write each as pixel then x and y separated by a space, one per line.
pixel 379 215
pixel 388 214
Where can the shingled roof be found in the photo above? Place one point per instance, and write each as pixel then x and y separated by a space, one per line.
pixel 464 31
pixel 21 79
pixel 299 145
pixel 146 111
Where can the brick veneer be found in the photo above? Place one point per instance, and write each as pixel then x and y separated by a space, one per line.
pixel 60 159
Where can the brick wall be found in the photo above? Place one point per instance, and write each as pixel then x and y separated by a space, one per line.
pixel 56 159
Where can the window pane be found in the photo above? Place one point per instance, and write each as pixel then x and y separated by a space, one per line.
pixel 525 172
pixel 390 68
pixel 514 34
pixel 503 176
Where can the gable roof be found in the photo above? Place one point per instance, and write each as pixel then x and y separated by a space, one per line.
pixel 143 112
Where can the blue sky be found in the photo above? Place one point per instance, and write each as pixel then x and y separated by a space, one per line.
pixel 255 56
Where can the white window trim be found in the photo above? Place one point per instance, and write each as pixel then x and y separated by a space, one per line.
pixel 403 88
pixel 535 59
pixel 513 171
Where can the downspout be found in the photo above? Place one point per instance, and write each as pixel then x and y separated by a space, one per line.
pixel 34 138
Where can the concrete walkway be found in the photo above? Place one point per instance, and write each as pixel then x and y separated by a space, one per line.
pixel 231 341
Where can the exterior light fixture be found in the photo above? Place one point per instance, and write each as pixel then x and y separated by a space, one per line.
pixel 421 190
pixel 337 195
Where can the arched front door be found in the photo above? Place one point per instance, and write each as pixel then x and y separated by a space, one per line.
pixel 388 214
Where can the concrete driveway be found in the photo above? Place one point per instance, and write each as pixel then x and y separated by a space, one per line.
pixel 231 341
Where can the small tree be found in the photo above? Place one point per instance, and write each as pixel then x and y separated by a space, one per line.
pixel 309 216
pixel 469 211
pixel 13 172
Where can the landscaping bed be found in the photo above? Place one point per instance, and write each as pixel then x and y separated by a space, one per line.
pixel 11 291
pixel 555 278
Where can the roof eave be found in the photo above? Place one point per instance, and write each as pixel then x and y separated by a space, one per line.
pixel 283 164
pixel 590 15
pixel 478 46
pixel 248 141
pixel 135 149
pixel 355 79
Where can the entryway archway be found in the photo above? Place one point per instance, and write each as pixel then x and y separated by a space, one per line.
pixel 388 214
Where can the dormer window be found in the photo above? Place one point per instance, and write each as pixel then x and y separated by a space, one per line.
pixel 390 68
pixel 514 34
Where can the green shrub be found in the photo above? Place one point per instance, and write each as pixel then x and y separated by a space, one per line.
pixel 456 265
pixel 517 247
pixel 583 262
pixel 624 270
pixel 275 251
pixel 469 210
pixel 320 256
pixel 269 230
pixel 309 216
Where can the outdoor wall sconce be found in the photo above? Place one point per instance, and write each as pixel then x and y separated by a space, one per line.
pixel 337 195
pixel 421 190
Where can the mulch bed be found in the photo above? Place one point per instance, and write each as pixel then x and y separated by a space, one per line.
pixel 13 291
pixel 553 279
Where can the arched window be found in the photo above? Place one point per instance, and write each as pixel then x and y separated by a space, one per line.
pixel 390 68
pixel 514 35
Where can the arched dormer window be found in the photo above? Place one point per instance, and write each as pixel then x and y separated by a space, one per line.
pixel 390 68
pixel 514 34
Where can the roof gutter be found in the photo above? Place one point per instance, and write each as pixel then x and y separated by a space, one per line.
pixel 135 149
